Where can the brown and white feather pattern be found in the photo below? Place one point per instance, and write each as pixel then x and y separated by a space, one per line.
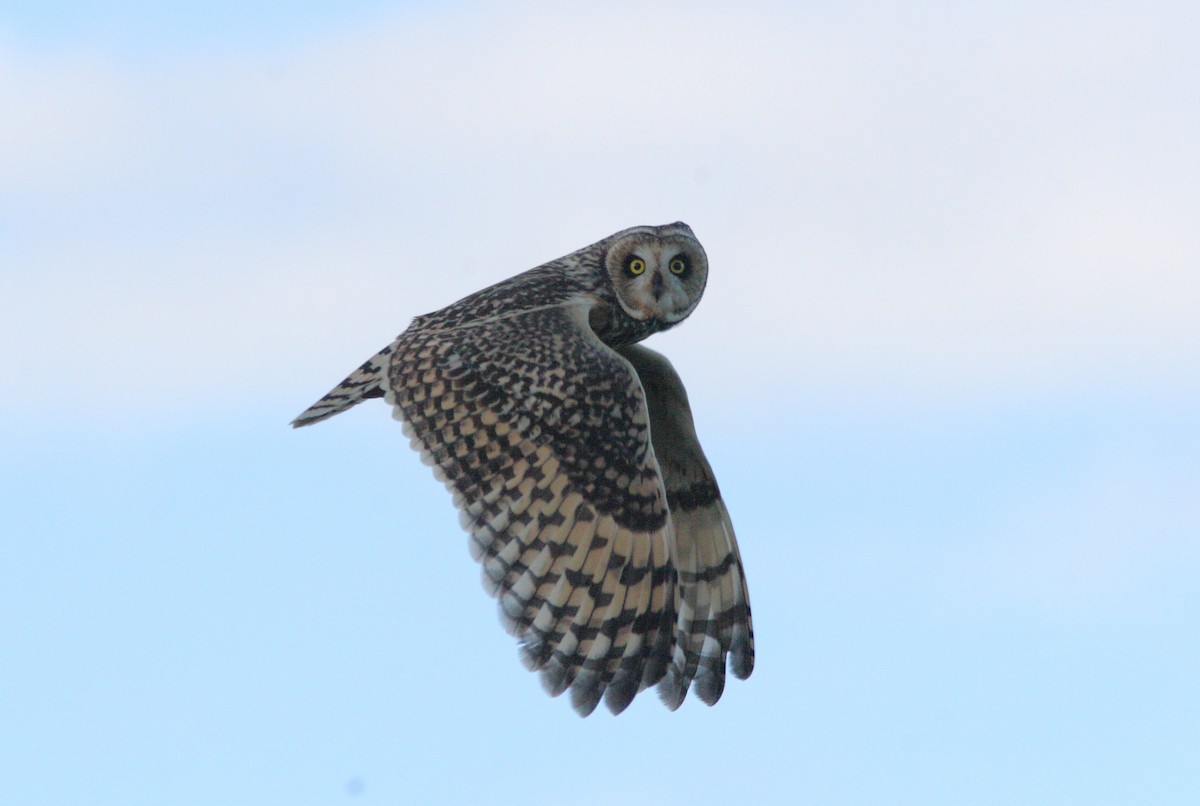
pixel 576 470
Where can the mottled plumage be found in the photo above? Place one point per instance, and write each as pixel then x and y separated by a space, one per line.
pixel 571 455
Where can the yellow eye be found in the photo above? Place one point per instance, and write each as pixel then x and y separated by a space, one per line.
pixel 636 265
pixel 677 265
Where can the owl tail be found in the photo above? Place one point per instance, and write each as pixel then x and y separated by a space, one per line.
pixel 363 383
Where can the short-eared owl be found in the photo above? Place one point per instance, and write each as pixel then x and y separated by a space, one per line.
pixel 572 458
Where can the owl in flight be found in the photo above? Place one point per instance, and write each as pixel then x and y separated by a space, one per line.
pixel 571 456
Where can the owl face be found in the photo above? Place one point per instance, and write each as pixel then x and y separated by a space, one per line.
pixel 657 272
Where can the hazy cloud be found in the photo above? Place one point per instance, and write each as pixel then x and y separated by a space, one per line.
pixel 931 203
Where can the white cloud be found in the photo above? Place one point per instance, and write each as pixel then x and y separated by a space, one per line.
pixel 937 204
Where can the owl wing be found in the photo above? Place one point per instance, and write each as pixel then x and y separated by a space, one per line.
pixel 544 437
pixel 541 434
pixel 616 574
pixel 711 599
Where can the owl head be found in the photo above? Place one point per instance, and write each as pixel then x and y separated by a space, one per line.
pixel 657 272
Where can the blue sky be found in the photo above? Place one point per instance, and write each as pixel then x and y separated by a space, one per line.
pixel 947 370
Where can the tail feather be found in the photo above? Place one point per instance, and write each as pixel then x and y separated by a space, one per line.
pixel 364 383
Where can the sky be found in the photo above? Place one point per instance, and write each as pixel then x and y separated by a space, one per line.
pixel 947 371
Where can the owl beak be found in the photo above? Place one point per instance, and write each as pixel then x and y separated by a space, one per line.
pixel 656 285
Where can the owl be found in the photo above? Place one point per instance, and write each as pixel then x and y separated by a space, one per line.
pixel 571 455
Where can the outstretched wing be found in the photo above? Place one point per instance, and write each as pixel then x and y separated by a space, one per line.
pixel 589 502
pixel 541 433
pixel 711 599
